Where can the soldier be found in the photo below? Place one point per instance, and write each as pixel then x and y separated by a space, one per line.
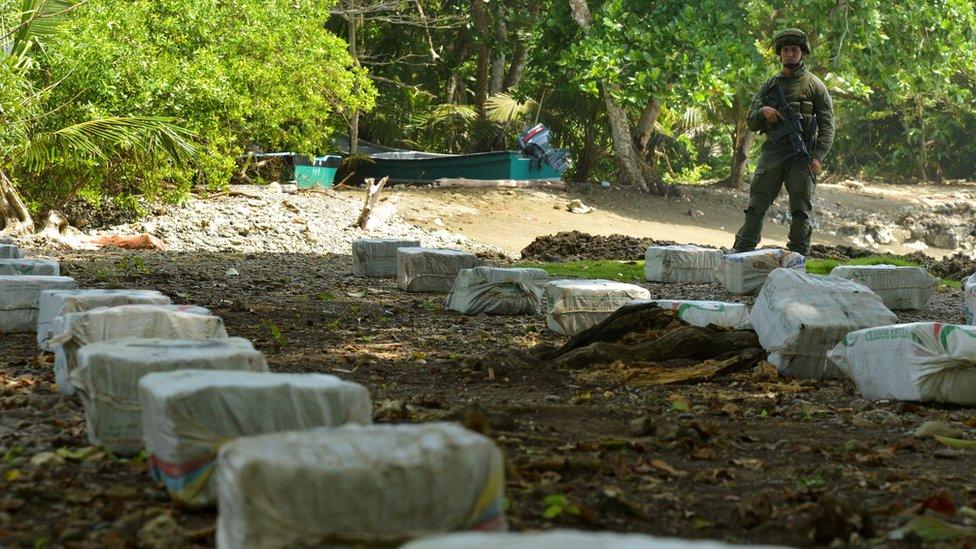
pixel 777 164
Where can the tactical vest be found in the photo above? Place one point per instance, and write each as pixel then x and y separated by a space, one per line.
pixel 799 95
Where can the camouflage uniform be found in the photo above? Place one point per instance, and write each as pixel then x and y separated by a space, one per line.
pixel 808 96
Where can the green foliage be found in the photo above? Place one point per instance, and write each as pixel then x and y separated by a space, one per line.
pixel 233 74
pixel 824 266
pixel 558 504
pixel 624 271
pixel 278 339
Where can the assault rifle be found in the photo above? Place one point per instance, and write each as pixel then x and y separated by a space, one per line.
pixel 791 126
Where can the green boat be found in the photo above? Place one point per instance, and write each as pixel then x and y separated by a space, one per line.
pixel 422 167
pixel 317 172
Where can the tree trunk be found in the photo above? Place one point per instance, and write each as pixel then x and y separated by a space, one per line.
pixel 482 68
pixel 17 218
pixel 645 126
pixel 500 39
pixel 354 53
pixel 923 152
pixel 629 162
pixel 453 79
pixel 742 140
pixel 521 55
pixel 633 170
pixel 588 157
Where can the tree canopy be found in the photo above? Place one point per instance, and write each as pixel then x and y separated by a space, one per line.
pixel 451 76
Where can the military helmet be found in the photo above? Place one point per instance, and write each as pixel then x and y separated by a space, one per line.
pixel 795 37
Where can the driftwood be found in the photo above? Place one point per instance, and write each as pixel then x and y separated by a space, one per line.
pixel 625 320
pixel 641 345
pixel 686 342
pixel 554 184
pixel 643 374
pixel 372 195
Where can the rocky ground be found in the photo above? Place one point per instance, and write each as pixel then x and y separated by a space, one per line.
pixel 746 456
pixel 272 218
pixel 937 221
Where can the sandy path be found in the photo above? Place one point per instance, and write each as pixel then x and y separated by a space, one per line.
pixel 511 219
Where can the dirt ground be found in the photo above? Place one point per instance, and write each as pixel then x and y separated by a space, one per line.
pixel 746 457
pixel 511 219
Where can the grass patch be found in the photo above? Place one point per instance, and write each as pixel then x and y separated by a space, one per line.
pixel 633 271
pixel 623 271
pixel 824 266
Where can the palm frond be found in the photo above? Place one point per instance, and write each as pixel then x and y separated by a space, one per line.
pixel 102 138
pixel 503 108
pixel 38 20
pixel 693 118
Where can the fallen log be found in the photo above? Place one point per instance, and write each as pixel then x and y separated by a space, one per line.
pixel 372 195
pixel 641 345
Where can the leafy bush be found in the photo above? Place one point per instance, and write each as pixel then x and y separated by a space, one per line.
pixel 243 73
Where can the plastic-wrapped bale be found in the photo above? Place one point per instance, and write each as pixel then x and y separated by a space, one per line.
pixel 575 305
pixel 187 415
pixel 27 267
pixel 357 486
pixel 431 270
pixel 705 313
pixel 899 287
pixel 54 303
pixel 20 296
pixel 497 291
pixel 921 362
pixel 108 374
pixel 72 331
pixel 800 317
pixel 560 539
pixel 10 250
pixel 745 272
pixel 969 299
pixel 377 257
pixel 681 264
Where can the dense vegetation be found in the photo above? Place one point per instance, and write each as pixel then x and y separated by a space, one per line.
pixel 118 98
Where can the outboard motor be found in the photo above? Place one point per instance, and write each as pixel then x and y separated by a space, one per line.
pixel 534 143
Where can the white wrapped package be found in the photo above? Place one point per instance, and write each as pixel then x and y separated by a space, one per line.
pixel 54 303
pixel 497 291
pixel 575 305
pixel 19 297
pixel 38 267
pixel 108 374
pixel 704 313
pixel 969 299
pixel 377 257
pixel 800 317
pixel 72 331
pixel 745 272
pixel 431 270
pixel 899 287
pixel 356 485
pixel 922 362
pixel 560 539
pixel 681 264
pixel 187 415
pixel 9 250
